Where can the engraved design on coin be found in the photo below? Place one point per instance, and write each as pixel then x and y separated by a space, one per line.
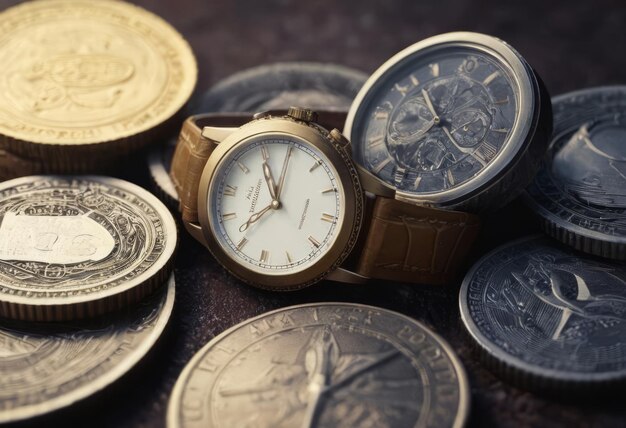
pixel 65 239
pixel 79 71
pixel 581 186
pixel 544 310
pixel 322 365
pixel 44 367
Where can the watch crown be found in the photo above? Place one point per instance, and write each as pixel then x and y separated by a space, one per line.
pixel 338 137
pixel 303 114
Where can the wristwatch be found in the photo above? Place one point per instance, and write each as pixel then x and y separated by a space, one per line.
pixel 458 121
pixel 279 202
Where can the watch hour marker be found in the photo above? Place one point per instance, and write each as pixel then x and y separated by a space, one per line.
pixel 328 217
pixel 450 177
pixel 417 181
pixel 414 80
pixel 486 152
pixel 493 76
pixel 501 130
pixel 265 256
pixel 376 141
pixel 315 165
pixel 314 241
pixel 243 167
pixel 504 101
pixel 289 260
pixel 381 165
pixel 331 190
pixel 434 69
pixel 242 243
pixel 381 115
pixel 265 152
pixel 402 89
pixel 230 190
pixel 229 216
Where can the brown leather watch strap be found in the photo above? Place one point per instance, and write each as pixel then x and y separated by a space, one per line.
pixel 193 151
pixel 411 243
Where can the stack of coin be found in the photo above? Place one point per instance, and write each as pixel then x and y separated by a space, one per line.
pixel 74 249
pixel 85 84
pixel 323 364
pixel 550 317
pixel 267 87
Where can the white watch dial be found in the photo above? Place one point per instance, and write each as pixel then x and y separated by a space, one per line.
pixel 276 204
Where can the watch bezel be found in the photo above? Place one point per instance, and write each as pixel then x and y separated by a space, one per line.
pixel 347 233
pixel 525 122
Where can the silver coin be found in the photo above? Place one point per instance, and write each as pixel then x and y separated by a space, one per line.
pixel 326 365
pixel 267 87
pixel 543 315
pixel 44 367
pixel 74 247
pixel 580 190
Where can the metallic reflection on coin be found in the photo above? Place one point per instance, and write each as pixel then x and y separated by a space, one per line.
pixel 84 81
pixel 73 247
pixel 544 315
pixel 580 191
pixel 322 365
pixel 268 87
pixel 44 367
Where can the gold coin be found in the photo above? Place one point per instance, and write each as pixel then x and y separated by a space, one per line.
pixel 81 78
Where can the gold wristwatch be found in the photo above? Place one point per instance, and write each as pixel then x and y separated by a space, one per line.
pixel 279 202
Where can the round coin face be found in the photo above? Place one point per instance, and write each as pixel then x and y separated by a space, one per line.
pixel 281 85
pixel 548 314
pixel 72 247
pixel 443 119
pixel 47 367
pixel 322 365
pixel 82 72
pixel 580 190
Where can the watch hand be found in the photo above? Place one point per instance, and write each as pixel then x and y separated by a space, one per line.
pixel 256 216
pixel 383 359
pixel 281 179
pixel 429 103
pixel 267 173
pixel 464 125
pixel 319 376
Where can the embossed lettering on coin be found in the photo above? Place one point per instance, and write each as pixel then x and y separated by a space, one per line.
pixel 68 242
pixel 322 365
pixel 546 311
pixel 46 367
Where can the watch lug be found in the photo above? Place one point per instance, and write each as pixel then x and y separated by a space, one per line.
pixel 195 230
pixel 217 134
pixel 346 276
pixel 374 185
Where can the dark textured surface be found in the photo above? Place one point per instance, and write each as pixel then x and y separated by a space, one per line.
pixel 571 44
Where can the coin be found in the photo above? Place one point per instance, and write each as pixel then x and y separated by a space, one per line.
pixel 281 85
pixel 44 367
pixel 580 190
pixel 267 87
pixel 323 364
pixel 545 316
pixel 73 247
pixel 84 83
